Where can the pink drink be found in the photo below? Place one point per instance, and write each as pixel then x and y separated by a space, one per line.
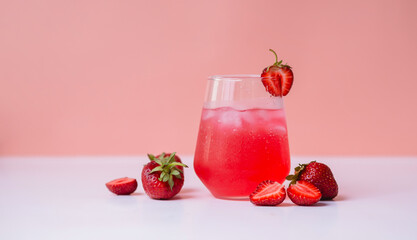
pixel 238 149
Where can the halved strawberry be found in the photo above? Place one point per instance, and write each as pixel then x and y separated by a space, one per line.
pixel 122 186
pixel 277 78
pixel 268 193
pixel 303 193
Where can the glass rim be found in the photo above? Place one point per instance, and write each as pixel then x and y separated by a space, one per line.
pixel 234 77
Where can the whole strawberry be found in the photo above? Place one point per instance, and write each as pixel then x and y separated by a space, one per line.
pixel 163 176
pixel 319 175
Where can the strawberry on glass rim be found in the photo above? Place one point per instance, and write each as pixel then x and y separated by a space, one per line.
pixel 277 78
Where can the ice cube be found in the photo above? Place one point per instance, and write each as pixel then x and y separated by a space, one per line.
pixel 230 117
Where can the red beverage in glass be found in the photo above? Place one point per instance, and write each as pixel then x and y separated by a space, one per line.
pixel 242 139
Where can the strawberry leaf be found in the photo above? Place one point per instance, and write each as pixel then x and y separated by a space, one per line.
pixel 151 157
pixel 171 182
pixel 165 178
pixel 175 172
pixel 171 158
pixel 161 177
pixel 289 177
pixel 156 169
pixel 177 164
pixel 297 171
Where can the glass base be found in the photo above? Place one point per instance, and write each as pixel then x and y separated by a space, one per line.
pixel 233 198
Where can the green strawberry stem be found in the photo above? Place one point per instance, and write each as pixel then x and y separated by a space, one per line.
pixel 278 64
pixel 167 167
pixel 276 56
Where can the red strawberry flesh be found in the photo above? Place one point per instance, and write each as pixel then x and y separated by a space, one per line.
pixel 287 78
pixel 303 193
pixel 272 84
pixel 122 186
pixel 268 193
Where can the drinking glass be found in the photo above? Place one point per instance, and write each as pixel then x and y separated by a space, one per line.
pixel 242 139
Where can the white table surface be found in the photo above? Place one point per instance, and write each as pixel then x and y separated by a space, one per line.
pixel 65 198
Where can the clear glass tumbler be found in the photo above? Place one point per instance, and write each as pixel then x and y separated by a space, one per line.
pixel 242 139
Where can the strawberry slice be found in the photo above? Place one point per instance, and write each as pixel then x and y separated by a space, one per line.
pixel 268 193
pixel 277 78
pixel 303 193
pixel 122 186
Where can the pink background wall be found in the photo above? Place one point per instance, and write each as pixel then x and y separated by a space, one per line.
pixel 128 77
